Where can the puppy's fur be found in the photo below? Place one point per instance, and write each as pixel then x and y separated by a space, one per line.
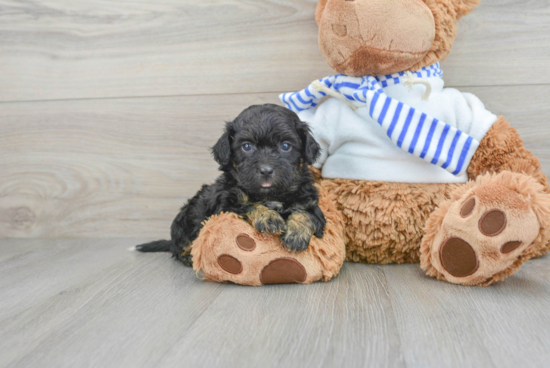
pixel 264 156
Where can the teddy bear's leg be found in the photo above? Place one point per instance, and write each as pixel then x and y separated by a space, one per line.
pixel 230 249
pixel 491 225
pixel 502 150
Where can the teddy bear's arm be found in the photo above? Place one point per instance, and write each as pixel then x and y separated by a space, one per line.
pixel 501 150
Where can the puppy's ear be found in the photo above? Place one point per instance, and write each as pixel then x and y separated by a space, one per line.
pixel 222 149
pixel 310 148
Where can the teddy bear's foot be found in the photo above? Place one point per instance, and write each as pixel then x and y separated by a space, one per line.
pixel 229 249
pixel 489 228
pixel 280 270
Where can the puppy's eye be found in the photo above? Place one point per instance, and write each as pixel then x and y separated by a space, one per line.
pixel 247 147
pixel 286 147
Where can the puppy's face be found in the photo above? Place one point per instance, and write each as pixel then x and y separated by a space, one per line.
pixel 266 149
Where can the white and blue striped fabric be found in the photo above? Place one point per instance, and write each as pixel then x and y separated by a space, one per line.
pixel 411 130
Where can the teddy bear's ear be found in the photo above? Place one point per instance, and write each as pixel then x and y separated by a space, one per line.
pixel 464 7
pixel 320 8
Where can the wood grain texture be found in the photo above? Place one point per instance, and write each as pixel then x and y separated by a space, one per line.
pixel 91 303
pixel 502 42
pixel 79 168
pixel 123 167
pixel 61 49
pixel 499 326
pixel 88 49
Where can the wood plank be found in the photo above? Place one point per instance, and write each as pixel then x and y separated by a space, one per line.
pixel 137 310
pixel 527 108
pixel 64 164
pixel 63 49
pixel 38 267
pixel 122 168
pixel 88 49
pixel 501 43
pixel 92 303
pixel 347 322
pixel 444 325
pixel 96 304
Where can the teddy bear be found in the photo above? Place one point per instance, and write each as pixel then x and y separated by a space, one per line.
pixel 410 171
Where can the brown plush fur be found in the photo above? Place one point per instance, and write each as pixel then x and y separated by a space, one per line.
pixel 445 16
pixel 322 260
pixel 385 221
pixel 501 150
pixel 464 7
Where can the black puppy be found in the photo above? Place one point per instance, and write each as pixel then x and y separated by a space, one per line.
pixel 264 155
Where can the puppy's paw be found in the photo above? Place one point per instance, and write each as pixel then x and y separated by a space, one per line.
pixel 299 232
pixel 295 241
pixel 267 221
pixel 270 222
pixel 186 259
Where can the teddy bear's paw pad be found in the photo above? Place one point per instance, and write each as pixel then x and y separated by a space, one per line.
pixel 230 264
pixel 283 271
pixel 492 223
pixel 245 242
pixel 468 207
pixel 510 247
pixel 484 234
pixel 458 258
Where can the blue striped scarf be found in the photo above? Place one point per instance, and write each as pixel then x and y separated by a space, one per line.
pixel 411 130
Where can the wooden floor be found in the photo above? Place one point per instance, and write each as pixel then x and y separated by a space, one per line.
pixel 92 303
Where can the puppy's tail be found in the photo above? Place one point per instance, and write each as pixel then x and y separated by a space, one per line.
pixel 156 246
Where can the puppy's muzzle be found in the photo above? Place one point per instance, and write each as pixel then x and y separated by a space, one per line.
pixel 267 173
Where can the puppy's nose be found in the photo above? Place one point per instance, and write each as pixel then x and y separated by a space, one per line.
pixel 266 170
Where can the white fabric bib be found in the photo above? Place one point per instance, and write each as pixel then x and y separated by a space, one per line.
pixel 394 136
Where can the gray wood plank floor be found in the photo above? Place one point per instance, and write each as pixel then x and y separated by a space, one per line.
pixel 92 303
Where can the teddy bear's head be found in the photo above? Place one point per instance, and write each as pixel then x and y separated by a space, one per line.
pixel 375 37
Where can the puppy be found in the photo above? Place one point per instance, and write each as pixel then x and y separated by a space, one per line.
pixel 264 156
